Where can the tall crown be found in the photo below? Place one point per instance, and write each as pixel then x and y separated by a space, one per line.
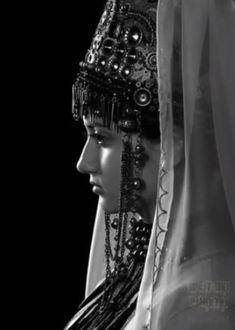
pixel 118 78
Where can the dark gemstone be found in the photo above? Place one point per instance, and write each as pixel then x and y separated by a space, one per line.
pixel 114 66
pixel 144 229
pixel 142 223
pixel 137 247
pixel 134 199
pixel 139 148
pixel 148 84
pixel 127 125
pixel 124 9
pixel 134 36
pixel 139 163
pixel 130 244
pixel 121 50
pixel 102 62
pixel 133 221
pixel 155 101
pixel 97 69
pixel 141 254
pixel 114 223
pixel 138 156
pixel 97 112
pixel 131 56
pixel 151 61
pixel 148 229
pixel 145 247
pixel 134 209
pixel 126 71
pixel 118 261
pixel 137 183
pixel 134 253
pixel 155 90
pixel 108 46
pixel 122 271
pixel 144 240
pixel 128 111
pixel 142 97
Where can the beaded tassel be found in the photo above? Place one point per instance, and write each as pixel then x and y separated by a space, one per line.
pixel 120 291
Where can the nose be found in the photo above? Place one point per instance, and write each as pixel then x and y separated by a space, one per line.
pixel 89 159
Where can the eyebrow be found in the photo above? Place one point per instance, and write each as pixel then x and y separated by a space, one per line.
pixel 92 126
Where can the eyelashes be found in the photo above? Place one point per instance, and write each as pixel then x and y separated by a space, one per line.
pixel 98 137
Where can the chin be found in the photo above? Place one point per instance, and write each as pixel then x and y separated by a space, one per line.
pixel 109 206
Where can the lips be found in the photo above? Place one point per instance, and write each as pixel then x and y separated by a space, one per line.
pixel 97 189
pixel 95 184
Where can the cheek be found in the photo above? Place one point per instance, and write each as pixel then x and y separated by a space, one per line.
pixel 110 167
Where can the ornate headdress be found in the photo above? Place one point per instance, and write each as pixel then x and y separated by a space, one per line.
pixel 118 83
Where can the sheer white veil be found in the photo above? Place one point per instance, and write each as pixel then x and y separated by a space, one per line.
pixel 193 230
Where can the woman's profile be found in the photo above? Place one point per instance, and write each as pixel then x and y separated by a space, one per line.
pixel 163 249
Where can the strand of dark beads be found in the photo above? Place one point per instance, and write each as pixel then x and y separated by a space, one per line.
pixel 125 176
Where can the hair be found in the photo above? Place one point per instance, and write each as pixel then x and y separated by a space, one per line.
pixel 150 126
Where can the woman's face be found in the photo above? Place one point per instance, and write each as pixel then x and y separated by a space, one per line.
pixel 100 159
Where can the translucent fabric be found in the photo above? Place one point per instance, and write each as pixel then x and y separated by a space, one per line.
pixel 189 276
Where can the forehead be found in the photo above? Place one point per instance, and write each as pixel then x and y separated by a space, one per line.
pixel 88 121
pixel 91 122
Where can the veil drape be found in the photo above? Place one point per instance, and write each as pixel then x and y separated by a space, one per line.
pixel 189 273
pixel 189 281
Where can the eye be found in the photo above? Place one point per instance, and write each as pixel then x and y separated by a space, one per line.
pixel 98 137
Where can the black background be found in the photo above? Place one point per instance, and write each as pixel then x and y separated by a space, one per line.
pixel 54 207
pixel 72 211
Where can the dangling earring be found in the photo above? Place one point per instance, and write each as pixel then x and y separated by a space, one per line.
pixel 139 230
pixel 138 161
pixel 125 186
